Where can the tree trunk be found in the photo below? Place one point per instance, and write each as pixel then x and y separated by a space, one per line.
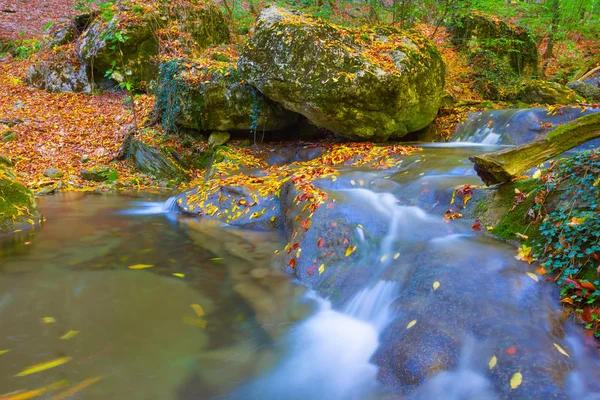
pixel 553 29
pixel 505 165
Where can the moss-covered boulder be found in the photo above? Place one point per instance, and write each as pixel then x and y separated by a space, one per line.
pixel 586 90
pixel 125 38
pixel 542 92
pixel 371 84
pixel 65 30
pixel 211 96
pixel 99 174
pixel 59 70
pixel 513 44
pixel 152 161
pixel 17 204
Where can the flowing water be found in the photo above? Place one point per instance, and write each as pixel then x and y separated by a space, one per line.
pixel 212 317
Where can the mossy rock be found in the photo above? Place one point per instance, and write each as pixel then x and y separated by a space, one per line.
pixel 152 161
pixel 18 209
pixel 586 90
pixel 59 70
pixel 370 84
pixel 214 99
pixel 542 92
pixel 492 76
pixel 99 174
pixel 513 44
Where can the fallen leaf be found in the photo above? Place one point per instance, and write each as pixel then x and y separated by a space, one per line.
pixel 76 388
pixel 561 350
pixel 195 321
pixel 511 350
pixel 411 324
pixel 350 250
pixel 48 320
pixel 69 335
pixel 516 380
pixel 493 362
pixel 436 285
pixel 30 394
pixel 198 309
pixel 216 259
pixel 321 269
pixel 140 266
pixel 532 276
pixel 477 225
pixel 536 174
pixel 396 256
pixel 3 352
pixel 44 366
pixel 320 242
pixel 587 285
pixel 179 274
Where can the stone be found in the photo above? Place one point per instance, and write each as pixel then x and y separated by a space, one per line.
pixel 218 138
pixel 542 92
pixel 214 99
pixel 99 174
pixel 9 136
pixel 18 209
pixel 331 75
pixel 59 71
pixel 152 161
pixel 53 173
pixel 586 90
pixel 513 44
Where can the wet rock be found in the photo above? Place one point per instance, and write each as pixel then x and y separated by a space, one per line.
pixel 53 173
pixel 586 90
pixel 214 98
pixel 18 209
pixel 333 80
pixel 218 138
pixel 99 174
pixel 542 92
pixel 515 45
pixel 153 162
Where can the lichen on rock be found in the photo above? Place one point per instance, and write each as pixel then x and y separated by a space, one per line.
pixel 374 83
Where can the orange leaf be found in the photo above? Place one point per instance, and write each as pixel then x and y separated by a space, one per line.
pixel 292 263
pixel 587 285
pixel 320 243
pixel 511 350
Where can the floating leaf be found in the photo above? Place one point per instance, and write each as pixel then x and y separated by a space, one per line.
pixel 216 259
pixel 516 380
pixel 3 352
pixel 532 276
pixel 396 256
pixel 30 394
pixel 69 335
pixel 436 285
pixel 48 320
pixel 44 366
pixel 140 266
pixel 320 242
pixel 411 324
pixel 198 309
pixel 76 388
pixel 493 362
pixel 383 258
pixel 179 274
pixel 511 350
pixel 350 250
pixel 561 350
pixel 195 321
pixel 321 269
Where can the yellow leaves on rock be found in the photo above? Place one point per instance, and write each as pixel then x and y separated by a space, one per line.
pixel 44 366
pixel 69 335
pixel 436 285
pixel 516 380
pixel 411 324
pixel 140 266
pixel 493 362
pixel 524 254
pixel 561 350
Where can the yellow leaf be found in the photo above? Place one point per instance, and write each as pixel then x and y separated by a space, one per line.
pixel 516 380
pixel 179 274
pixel 140 266
pixel 3 352
pixel 198 309
pixel 532 276
pixel 396 256
pixel 411 324
pixel 69 335
pixel 195 321
pixel 493 362
pixel 436 285
pixel 536 174
pixel 216 259
pixel 350 250
pixel 561 350
pixel 321 269
pixel 383 258
pixel 48 320
pixel 71 391
pixel 30 394
pixel 44 366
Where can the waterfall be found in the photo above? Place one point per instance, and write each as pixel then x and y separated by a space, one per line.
pixel 152 207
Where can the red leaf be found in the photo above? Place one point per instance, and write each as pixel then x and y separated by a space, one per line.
pixel 476 225
pixel 292 263
pixel 511 350
pixel 312 270
pixel 321 243
pixel 586 315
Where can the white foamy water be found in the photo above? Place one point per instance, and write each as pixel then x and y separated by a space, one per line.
pixel 330 352
pixel 151 207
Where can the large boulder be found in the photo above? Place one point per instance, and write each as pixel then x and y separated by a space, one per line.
pixel 128 43
pixel 589 91
pixel 152 161
pixel 209 95
pixel 59 70
pixel 18 209
pixel 511 43
pixel 542 92
pixel 371 84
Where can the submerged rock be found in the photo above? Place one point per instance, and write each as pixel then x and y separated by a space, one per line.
pixel 515 45
pixel 371 84
pixel 214 98
pixel 18 209
pixel 542 92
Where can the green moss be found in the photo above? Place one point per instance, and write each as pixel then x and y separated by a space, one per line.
pixel 17 204
pixel 515 221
